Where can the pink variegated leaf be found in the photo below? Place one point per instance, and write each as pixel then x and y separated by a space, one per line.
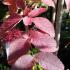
pixel 44 25
pixel 43 41
pixel 67 4
pixel 36 12
pixel 25 62
pixel 27 20
pixel 49 2
pixel 26 11
pixel 48 61
pixel 16 48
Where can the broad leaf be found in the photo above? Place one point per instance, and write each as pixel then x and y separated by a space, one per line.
pixel 16 48
pixel 48 61
pixel 25 62
pixel 43 41
pixel 44 25
pixel 36 12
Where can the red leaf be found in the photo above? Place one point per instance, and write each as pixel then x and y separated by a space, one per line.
pixel 36 12
pixel 20 4
pixel 9 2
pixel 49 2
pixel 16 48
pixel 11 21
pixel 48 61
pixel 68 4
pixel 43 41
pixel 12 35
pixel 25 62
pixel 12 9
pixel 11 5
pixel 44 25
pixel 27 20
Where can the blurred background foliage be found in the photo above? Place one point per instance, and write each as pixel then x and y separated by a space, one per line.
pixel 64 50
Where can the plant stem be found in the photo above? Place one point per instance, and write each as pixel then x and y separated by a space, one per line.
pixel 58 20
